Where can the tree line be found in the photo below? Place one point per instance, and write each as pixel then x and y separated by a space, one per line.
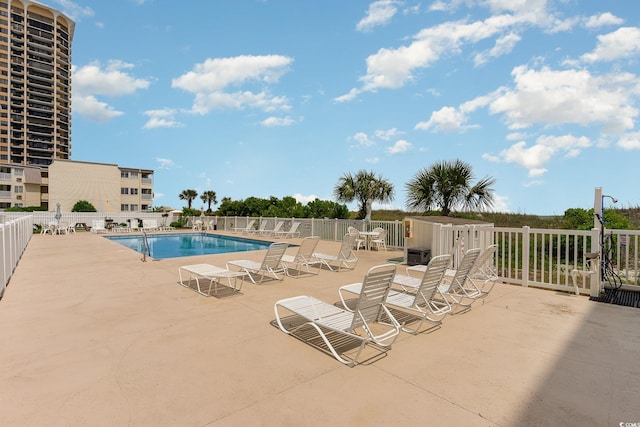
pixel 445 185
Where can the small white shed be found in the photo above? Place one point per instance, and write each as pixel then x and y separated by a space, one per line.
pixel 429 236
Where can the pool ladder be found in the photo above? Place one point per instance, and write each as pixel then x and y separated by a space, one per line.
pixel 145 246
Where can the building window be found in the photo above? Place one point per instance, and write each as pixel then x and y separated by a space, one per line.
pixel 17 189
pixel 124 190
pixel 124 208
pixel 133 191
pixel 124 174
pixel 134 207
pixel 18 172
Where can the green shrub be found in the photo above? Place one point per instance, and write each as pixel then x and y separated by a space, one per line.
pixel 83 206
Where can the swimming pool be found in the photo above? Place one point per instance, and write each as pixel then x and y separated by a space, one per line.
pixel 164 246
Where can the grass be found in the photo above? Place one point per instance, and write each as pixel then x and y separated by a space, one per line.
pixel 500 219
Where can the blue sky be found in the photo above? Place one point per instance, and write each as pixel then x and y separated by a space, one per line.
pixel 282 97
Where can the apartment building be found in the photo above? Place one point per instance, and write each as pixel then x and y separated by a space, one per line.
pixel 23 186
pixel 35 121
pixel 108 187
pixel 35 83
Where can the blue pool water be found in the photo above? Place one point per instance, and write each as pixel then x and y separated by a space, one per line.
pixel 189 244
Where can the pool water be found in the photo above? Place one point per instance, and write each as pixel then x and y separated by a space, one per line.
pixel 164 246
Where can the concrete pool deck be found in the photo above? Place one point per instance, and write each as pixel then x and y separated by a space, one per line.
pixel 92 336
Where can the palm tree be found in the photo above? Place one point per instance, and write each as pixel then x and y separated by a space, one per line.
pixel 209 197
pixel 447 185
pixel 188 195
pixel 366 188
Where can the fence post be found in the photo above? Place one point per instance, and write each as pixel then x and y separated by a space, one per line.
pixel 596 279
pixel 526 247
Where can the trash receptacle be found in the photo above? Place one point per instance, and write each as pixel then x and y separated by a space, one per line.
pixel 417 256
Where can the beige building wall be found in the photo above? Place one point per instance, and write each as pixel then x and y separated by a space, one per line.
pixel 97 183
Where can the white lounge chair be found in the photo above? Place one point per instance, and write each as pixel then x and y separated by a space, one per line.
pixel 97 226
pixel 303 258
pixel 345 258
pixel 250 226
pixel 460 287
pixel 150 225
pixel 484 276
pixel 133 224
pixel 291 232
pixel 276 229
pixel 213 274
pixel 426 302
pixel 261 229
pixel 364 325
pixel 271 264
pixel 48 228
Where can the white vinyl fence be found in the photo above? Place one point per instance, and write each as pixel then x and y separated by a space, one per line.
pixel 525 256
pixel 14 237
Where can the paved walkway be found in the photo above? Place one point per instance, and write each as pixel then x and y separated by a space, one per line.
pixel 92 336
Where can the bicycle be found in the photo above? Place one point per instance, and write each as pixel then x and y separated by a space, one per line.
pixel 608 275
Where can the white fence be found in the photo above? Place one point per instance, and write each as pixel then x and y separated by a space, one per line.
pixel 14 237
pixel 326 229
pixel 545 258
pixel 72 218
pixel 525 256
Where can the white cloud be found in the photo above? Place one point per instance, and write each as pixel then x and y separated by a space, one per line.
pixel 622 43
pixel 500 203
pixel 447 119
pixel 514 136
pixel 349 96
pixel 491 158
pixel 363 139
pixel 93 109
pixel 73 10
pixel 372 160
pixel 387 135
pixel 164 163
pixel 210 80
pixel 503 46
pixel 300 198
pixel 401 146
pixel 536 156
pixel 630 141
pixel 559 25
pixel 392 68
pixel 553 97
pixel 112 80
pixel 597 21
pixel 161 119
pixel 535 7
pixel 380 12
pixel 277 121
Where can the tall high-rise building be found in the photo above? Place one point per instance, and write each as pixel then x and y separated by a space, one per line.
pixel 35 83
